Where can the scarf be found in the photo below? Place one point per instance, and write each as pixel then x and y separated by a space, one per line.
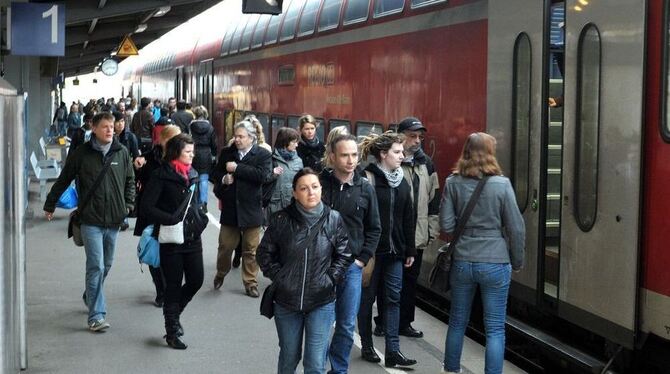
pixel 314 143
pixel 394 177
pixel 181 168
pixel 311 216
pixel 104 148
pixel 286 154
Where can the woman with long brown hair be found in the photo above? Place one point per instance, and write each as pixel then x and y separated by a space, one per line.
pixel 482 256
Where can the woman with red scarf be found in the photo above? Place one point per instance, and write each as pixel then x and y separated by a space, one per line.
pixel 165 202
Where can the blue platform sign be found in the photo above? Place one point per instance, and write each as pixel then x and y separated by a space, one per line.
pixel 37 29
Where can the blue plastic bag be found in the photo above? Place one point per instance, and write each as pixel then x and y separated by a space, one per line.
pixel 148 249
pixel 69 198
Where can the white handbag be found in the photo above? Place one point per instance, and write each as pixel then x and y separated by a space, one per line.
pixel 174 234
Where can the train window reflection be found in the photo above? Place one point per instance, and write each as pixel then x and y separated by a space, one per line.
pixel 588 123
pixel 420 3
pixel 356 11
pixel 339 123
pixel 225 46
pixel 259 33
pixel 521 119
pixel 308 18
pixel 330 14
pixel 321 129
pixel 386 7
pixel 248 33
pixel 290 20
pixel 367 128
pixel 294 122
pixel 237 36
pixel 273 30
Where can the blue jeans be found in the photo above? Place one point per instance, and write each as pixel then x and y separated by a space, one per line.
pixel 387 273
pixel 493 280
pixel 316 327
pixel 346 309
pixel 204 188
pixel 99 244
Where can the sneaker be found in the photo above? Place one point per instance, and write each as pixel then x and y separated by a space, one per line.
pixel 99 325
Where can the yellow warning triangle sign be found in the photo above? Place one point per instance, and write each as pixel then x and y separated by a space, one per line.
pixel 127 48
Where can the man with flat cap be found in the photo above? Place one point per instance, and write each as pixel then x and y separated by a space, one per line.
pixel 421 175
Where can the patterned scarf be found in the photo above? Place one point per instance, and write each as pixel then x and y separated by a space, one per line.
pixel 394 177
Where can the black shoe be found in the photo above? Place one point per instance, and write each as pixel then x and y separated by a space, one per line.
pixel 124 226
pixel 378 331
pixel 397 359
pixel 369 355
pixel 204 208
pixel 180 330
pixel 158 302
pixel 236 260
pixel 410 332
pixel 175 342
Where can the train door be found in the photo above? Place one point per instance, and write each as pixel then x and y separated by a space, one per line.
pixel 205 84
pixel 516 112
pixel 602 151
pixel 179 83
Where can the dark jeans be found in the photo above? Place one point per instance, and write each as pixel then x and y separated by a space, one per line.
pixel 178 267
pixel 410 276
pixel 387 274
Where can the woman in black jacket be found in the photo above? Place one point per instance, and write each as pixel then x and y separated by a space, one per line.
pixel 171 190
pixel 304 273
pixel 310 149
pixel 396 244
pixel 205 148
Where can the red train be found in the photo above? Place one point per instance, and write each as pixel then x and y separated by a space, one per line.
pixel 588 176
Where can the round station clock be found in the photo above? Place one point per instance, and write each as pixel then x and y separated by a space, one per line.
pixel 109 66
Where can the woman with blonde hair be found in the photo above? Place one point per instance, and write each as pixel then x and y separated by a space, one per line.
pixel 482 256
pixel 259 131
pixel 310 149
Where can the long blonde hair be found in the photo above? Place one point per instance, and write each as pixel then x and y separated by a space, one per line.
pixel 334 133
pixel 478 157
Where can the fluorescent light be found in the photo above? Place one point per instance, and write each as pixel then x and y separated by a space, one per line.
pixel 584 2
pixel 161 11
pixel 141 27
pixel 577 8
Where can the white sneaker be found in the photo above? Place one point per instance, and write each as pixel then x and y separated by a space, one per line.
pixel 99 325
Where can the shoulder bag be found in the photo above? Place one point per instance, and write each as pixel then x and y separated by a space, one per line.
pixel 174 234
pixel 74 224
pixel 439 274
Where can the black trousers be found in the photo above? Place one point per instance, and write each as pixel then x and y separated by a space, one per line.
pixel 183 273
pixel 159 282
pixel 410 277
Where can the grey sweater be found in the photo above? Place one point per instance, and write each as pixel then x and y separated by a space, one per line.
pixel 495 232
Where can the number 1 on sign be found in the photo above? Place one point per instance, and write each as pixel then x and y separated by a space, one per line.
pixel 53 13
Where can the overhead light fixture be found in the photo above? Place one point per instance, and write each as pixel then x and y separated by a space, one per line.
pixel 161 11
pixel 584 2
pixel 141 27
pixel 577 8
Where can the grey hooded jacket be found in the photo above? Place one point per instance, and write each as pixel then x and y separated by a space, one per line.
pixel 283 190
pixel 495 232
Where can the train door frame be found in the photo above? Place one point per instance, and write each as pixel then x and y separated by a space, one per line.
pixel 205 85
pixel 179 83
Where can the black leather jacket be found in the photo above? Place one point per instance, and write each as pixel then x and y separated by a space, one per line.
pixel 305 276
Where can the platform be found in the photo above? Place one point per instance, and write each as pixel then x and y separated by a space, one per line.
pixel 224 329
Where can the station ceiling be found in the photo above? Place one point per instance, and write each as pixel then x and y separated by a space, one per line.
pixel 96 28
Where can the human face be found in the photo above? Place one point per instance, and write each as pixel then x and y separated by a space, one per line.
pixel 292 145
pixel 104 131
pixel 186 155
pixel 242 139
pixel 308 131
pixel 308 191
pixel 345 157
pixel 391 160
pixel 119 126
pixel 413 141
pixel 172 103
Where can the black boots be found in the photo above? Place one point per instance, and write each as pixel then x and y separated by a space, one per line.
pixel 397 359
pixel 173 329
pixel 369 355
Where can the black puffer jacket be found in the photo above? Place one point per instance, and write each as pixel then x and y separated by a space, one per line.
pixel 311 154
pixel 204 138
pixel 305 276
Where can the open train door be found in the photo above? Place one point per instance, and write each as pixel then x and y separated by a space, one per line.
pixel 515 111
pixel 602 153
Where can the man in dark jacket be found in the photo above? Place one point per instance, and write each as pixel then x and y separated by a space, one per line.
pixel 345 191
pixel 129 140
pixel 238 177
pixel 204 138
pixel 109 204
pixel 181 117
pixel 143 125
pixel 83 134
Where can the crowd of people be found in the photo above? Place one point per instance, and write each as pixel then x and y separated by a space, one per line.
pixel 335 225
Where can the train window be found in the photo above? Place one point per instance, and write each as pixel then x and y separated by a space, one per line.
pixel 367 128
pixel 421 3
pixel 330 14
pixel 286 75
pixel 290 20
pixel 339 123
pixel 248 32
pixel 308 18
pixel 386 7
pixel 225 46
pixel 276 122
pixel 273 30
pixel 294 122
pixel 237 36
pixel 321 129
pixel 521 77
pixel 259 33
pixel 588 123
pixel 356 11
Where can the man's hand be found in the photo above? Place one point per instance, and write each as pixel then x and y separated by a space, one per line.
pixel 228 179
pixel 359 263
pixel 139 162
pixel 231 166
pixel 409 261
pixel 49 215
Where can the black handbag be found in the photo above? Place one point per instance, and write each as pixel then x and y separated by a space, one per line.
pixel 74 224
pixel 439 274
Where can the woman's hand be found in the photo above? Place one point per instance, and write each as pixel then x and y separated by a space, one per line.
pixel 49 215
pixel 409 261
pixel 278 170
